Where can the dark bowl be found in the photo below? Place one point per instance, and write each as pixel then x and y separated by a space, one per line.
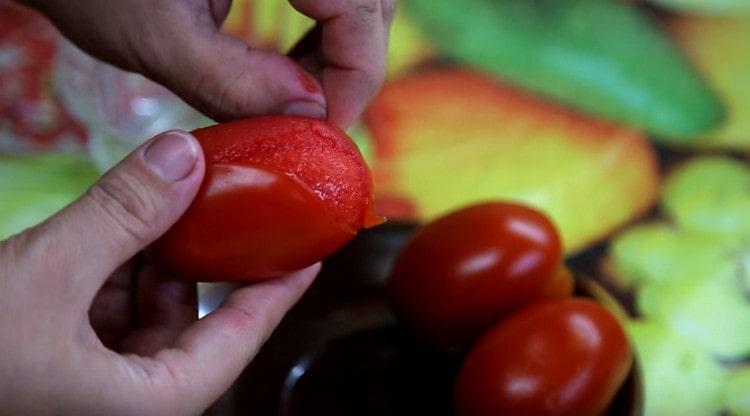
pixel 341 350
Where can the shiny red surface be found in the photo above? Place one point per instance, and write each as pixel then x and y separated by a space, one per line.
pixel 462 273
pixel 280 193
pixel 555 357
pixel 312 151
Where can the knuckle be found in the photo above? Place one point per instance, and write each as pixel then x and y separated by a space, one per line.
pixel 240 318
pixel 367 8
pixel 226 100
pixel 31 244
pixel 241 312
pixel 126 204
pixel 389 10
pixel 162 385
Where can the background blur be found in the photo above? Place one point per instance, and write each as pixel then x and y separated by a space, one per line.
pixel 628 122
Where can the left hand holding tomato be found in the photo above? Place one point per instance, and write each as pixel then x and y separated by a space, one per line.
pixel 84 334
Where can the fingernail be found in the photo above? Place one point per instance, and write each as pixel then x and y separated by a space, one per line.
pixel 171 155
pixel 305 108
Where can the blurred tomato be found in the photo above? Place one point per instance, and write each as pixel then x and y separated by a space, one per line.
pixel 462 273
pixel 553 357
pixel 29 108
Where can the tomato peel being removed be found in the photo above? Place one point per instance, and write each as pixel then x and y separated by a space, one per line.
pixel 279 194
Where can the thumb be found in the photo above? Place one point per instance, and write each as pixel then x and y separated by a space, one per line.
pixel 127 209
pixel 226 79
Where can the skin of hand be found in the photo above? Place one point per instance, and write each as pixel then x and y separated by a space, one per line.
pixel 178 44
pixel 88 331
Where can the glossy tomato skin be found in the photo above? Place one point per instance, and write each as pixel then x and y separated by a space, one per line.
pixel 463 272
pixel 280 193
pixel 250 223
pixel 553 357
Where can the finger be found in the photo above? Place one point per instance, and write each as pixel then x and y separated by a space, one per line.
pixel 179 45
pixel 307 51
pixel 225 79
pixel 219 10
pixel 354 41
pixel 73 252
pixel 210 355
pixel 165 307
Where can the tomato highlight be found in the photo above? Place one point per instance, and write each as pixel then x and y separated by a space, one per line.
pixel 280 193
pixel 462 273
pixel 553 357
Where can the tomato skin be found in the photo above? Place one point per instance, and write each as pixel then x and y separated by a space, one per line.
pixel 553 357
pixel 250 223
pixel 279 194
pixel 462 273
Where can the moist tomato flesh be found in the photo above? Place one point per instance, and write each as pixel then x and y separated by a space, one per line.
pixel 310 150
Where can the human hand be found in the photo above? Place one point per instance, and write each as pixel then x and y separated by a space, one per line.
pixel 83 334
pixel 177 43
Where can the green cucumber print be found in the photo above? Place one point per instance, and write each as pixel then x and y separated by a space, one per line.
pixel 604 57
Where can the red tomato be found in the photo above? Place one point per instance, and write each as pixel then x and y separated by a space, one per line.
pixel 280 193
pixel 554 357
pixel 462 273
